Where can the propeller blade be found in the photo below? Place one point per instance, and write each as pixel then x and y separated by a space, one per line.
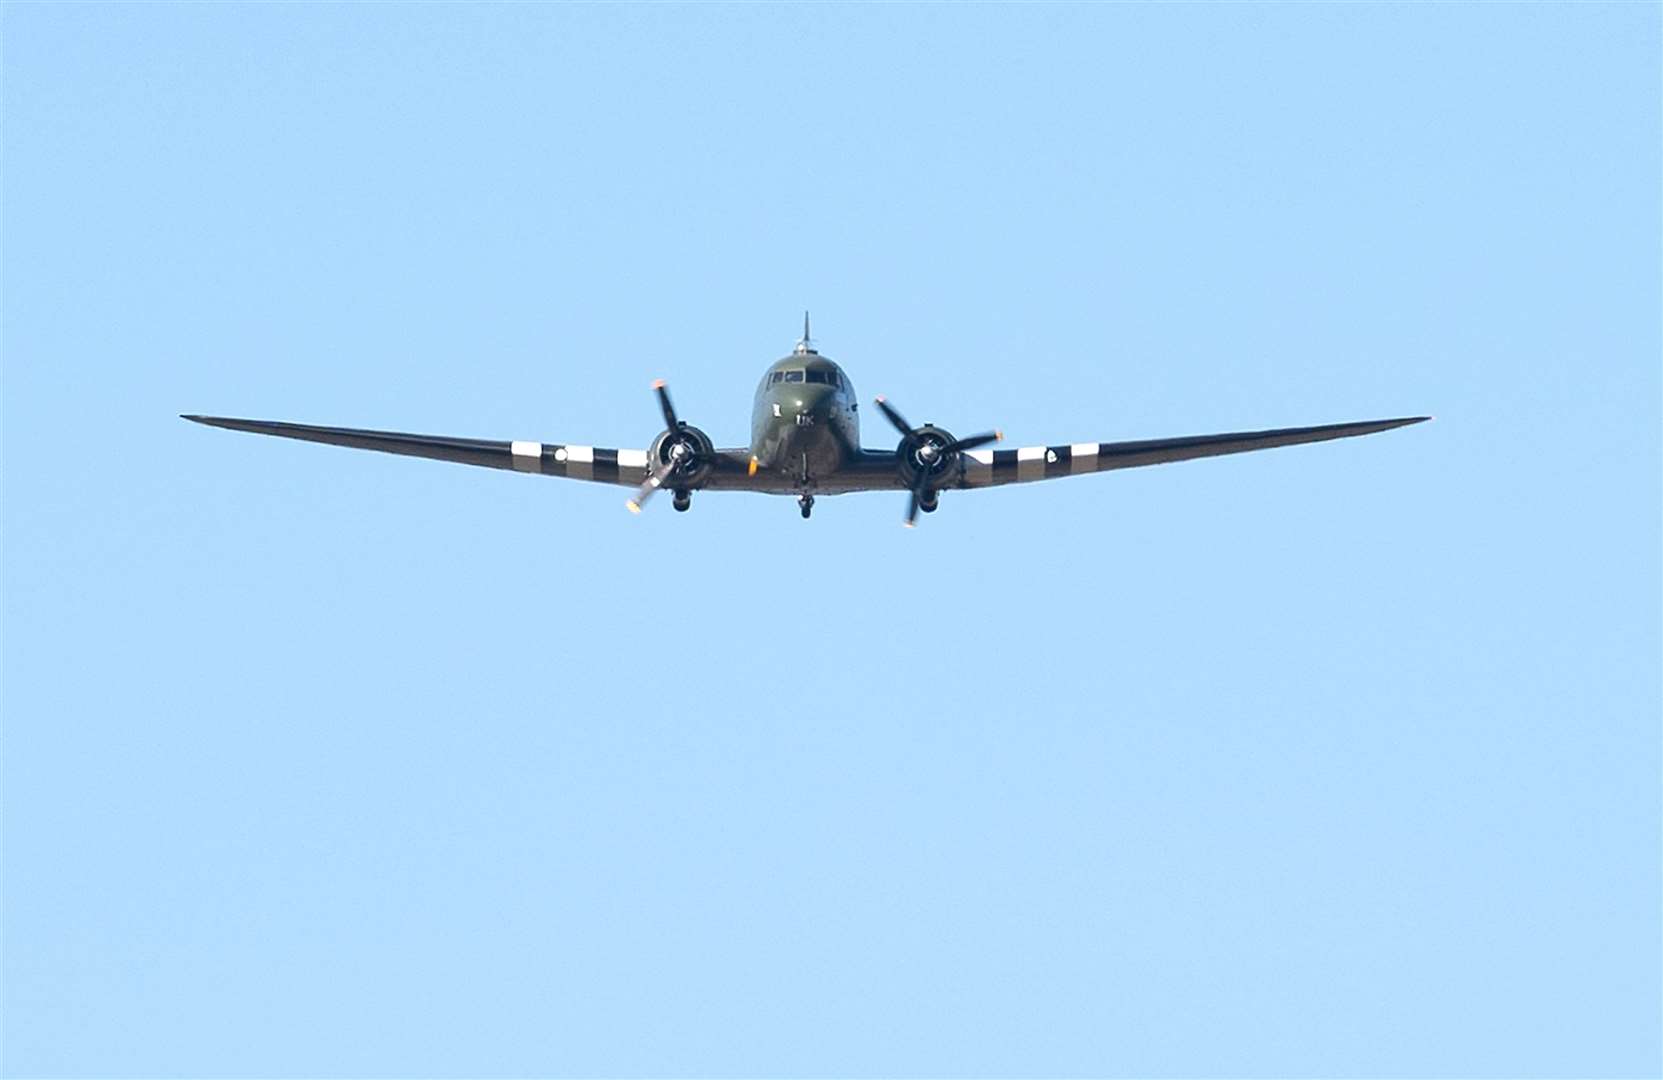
pixel 894 417
pixel 973 441
pixel 915 500
pixel 664 403
pixel 652 484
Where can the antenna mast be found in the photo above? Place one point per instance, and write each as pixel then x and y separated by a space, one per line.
pixel 806 345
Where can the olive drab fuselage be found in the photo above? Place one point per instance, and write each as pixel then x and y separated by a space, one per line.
pixel 805 421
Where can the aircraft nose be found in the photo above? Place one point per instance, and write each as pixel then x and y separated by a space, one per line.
pixel 816 401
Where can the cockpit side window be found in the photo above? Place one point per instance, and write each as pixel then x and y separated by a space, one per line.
pixel 794 376
pixel 775 377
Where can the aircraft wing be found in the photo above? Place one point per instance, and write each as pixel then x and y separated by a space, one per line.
pixel 987 468
pixel 624 467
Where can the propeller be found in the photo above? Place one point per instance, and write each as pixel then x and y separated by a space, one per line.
pixel 681 453
pixel 932 450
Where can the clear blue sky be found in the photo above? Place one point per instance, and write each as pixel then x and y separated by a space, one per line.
pixel 1339 760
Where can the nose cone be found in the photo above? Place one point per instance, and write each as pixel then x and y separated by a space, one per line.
pixel 808 398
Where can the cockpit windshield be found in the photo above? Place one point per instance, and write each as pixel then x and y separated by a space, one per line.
pixel 822 377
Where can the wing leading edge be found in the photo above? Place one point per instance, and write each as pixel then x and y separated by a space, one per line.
pixel 628 468
pixel 624 467
pixel 987 468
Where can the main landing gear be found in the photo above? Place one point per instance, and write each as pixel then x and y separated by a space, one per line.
pixel 683 501
pixel 806 501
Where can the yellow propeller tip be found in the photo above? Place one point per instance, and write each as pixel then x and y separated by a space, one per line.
pixel 998 436
pixel 634 507
pixel 658 384
pixel 753 467
pixel 909 524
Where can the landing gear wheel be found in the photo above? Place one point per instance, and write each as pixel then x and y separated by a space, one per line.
pixel 807 503
pixel 683 501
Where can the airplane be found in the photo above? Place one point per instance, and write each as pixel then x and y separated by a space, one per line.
pixel 805 441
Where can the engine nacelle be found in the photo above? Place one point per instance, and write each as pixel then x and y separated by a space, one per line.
pixel 922 452
pixel 703 453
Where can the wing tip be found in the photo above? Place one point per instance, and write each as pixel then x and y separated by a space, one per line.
pixel 1389 425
